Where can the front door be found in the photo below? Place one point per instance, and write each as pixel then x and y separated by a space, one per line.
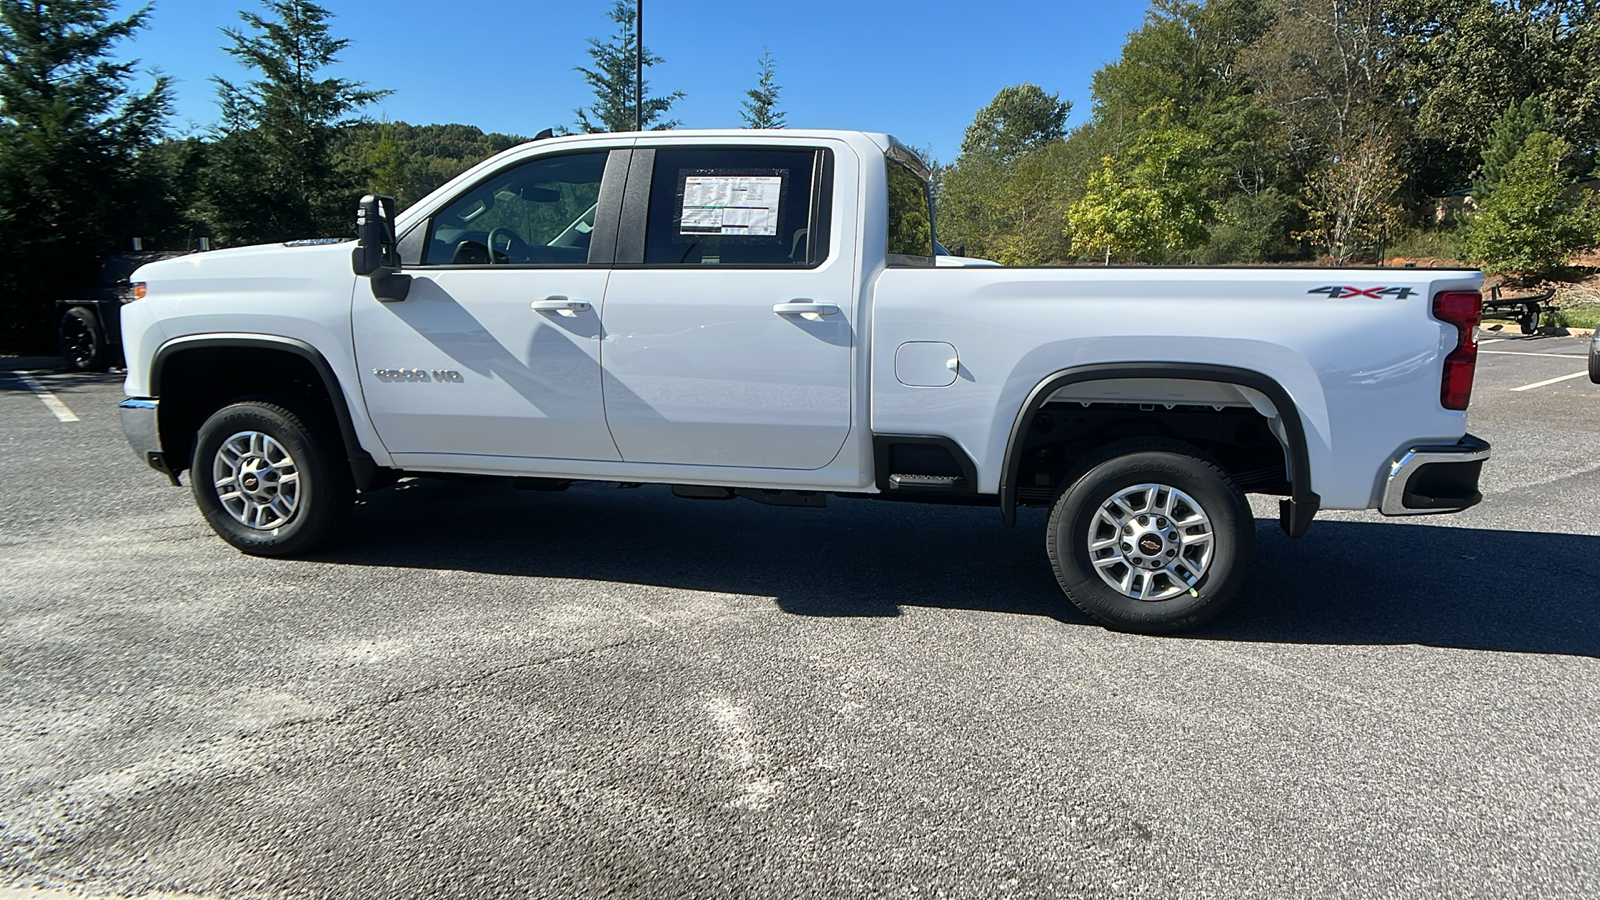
pixel 496 351
pixel 729 340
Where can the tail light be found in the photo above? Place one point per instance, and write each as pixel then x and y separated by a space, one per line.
pixel 1463 309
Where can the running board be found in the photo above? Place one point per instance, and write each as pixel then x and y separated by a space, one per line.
pixel 926 482
pixel 810 499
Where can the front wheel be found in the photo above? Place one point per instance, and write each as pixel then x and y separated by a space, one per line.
pixel 1594 360
pixel 1150 537
pixel 269 479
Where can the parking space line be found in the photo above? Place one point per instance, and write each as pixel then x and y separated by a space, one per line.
pixel 1540 384
pixel 1531 353
pixel 51 401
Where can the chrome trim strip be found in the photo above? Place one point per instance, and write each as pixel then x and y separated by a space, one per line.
pixel 1401 470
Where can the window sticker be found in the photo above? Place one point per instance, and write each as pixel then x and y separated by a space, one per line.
pixel 731 205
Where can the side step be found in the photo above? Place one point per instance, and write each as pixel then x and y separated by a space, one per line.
pixel 810 499
pixel 926 482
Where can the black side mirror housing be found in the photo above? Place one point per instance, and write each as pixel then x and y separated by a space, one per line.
pixel 377 257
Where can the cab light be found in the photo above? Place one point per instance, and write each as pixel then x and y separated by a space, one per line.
pixel 139 290
pixel 1463 309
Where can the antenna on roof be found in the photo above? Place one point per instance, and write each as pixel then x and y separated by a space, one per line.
pixel 547 133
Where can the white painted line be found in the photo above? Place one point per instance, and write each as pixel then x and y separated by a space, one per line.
pixel 51 401
pixel 1540 384
pixel 1532 353
pixel 1490 341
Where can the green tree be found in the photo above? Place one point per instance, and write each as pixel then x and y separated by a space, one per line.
pixel 1020 118
pixel 1457 59
pixel 409 162
pixel 1004 198
pixel 1151 204
pixel 760 110
pixel 389 169
pixel 1350 199
pixel 273 174
pixel 1519 122
pixel 612 80
pixel 76 179
pixel 1534 220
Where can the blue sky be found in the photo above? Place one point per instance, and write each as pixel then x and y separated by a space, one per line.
pixel 917 70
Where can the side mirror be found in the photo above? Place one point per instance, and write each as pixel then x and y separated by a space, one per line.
pixel 376 255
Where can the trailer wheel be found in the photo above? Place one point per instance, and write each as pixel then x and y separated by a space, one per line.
pixel 1151 536
pixel 1529 323
pixel 83 341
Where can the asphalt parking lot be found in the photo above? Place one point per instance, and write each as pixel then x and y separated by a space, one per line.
pixel 485 692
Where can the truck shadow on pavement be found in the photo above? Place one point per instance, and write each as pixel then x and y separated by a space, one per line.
pixel 1350 583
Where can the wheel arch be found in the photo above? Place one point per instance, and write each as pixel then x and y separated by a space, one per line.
pixel 177 426
pixel 1295 513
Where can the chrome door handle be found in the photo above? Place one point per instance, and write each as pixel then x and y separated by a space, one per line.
pixel 810 309
pixel 561 305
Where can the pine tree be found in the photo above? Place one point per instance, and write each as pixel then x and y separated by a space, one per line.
pixel 74 180
pixel 274 175
pixel 612 80
pixel 1532 222
pixel 761 110
pixel 1511 130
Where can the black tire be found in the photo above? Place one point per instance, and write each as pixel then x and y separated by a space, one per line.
pixel 83 341
pixel 1529 324
pixel 323 494
pixel 1174 465
pixel 1594 360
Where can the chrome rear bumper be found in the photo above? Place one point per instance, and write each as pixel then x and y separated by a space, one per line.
pixel 1435 478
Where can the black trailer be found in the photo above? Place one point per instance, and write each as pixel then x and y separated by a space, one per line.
pixel 1525 309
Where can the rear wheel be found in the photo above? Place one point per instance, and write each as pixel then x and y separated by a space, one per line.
pixel 270 479
pixel 83 342
pixel 1594 360
pixel 1150 537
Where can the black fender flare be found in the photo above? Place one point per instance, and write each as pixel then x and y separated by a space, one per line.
pixel 363 467
pixel 1295 514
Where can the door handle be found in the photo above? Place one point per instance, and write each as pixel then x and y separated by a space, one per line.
pixel 556 303
pixel 809 309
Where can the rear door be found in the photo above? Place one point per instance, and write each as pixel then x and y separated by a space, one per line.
pixel 730 316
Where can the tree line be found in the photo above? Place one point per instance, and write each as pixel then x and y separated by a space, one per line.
pixel 88 162
pixel 1227 131
pixel 1246 131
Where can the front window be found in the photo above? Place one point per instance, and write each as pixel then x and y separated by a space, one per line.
pixel 539 213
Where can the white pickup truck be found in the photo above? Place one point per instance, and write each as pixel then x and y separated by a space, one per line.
pixel 761 314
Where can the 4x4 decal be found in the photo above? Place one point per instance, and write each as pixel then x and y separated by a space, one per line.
pixel 1342 292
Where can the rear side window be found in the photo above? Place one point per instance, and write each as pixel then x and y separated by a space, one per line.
pixel 910 217
pixel 747 208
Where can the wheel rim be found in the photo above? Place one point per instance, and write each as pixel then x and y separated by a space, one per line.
pixel 1151 542
pixel 256 480
pixel 79 340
